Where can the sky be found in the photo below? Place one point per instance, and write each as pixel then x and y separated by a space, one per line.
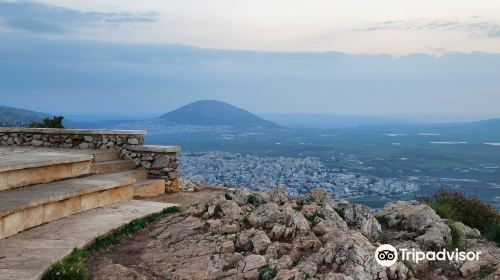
pixel 360 57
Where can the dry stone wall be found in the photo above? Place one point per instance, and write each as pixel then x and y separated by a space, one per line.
pixel 161 161
pixel 70 138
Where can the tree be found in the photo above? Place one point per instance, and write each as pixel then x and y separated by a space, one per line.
pixel 55 122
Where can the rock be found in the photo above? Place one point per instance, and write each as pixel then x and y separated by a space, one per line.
pixel 87 138
pixel 133 141
pixel 435 237
pixel 187 185
pixel 278 195
pixel 469 268
pixel 308 267
pixel 309 210
pixel 37 143
pixel 265 216
pixel 83 145
pixel 468 231
pixel 260 242
pixel 227 246
pixel 361 218
pixel 306 243
pixel 399 271
pixel 145 164
pixel 410 216
pixel 254 262
pixel 290 274
pixel 320 197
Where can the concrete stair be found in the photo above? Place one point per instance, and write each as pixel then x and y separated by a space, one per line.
pixel 21 167
pixel 149 188
pixel 39 185
pixel 111 166
pixel 28 207
pixel 29 254
pixel 106 155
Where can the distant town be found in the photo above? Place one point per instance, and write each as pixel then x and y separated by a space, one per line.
pixel 296 175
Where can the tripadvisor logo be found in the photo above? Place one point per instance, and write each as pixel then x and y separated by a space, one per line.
pixel 386 255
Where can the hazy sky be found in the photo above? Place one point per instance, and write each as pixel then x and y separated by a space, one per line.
pixel 351 26
pixel 363 57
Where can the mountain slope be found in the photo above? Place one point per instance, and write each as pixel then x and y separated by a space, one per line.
pixel 212 112
pixel 19 116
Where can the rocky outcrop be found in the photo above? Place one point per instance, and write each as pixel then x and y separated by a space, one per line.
pixel 360 217
pixel 428 229
pixel 246 235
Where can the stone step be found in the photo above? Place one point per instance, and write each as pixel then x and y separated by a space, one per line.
pixel 28 207
pixel 112 165
pixel 21 167
pixel 137 174
pixel 29 254
pixel 106 155
pixel 149 188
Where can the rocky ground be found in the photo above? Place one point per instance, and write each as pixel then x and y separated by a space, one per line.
pixel 237 234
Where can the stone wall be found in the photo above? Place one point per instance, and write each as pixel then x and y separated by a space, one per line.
pixel 161 161
pixel 71 138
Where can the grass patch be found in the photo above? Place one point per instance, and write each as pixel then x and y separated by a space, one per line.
pixel 340 212
pixel 468 210
pixel 493 233
pixel 382 220
pixel 266 273
pixel 252 199
pixel 456 237
pixel 73 266
pixel 486 271
pixel 295 262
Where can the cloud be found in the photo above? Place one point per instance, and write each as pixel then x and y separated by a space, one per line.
pixel 40 18
pixel 476 26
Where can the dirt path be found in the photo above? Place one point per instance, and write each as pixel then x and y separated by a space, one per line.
pixel 126 261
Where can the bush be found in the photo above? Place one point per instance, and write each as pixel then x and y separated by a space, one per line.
pixel 456 237
pixel 55 122
pixel 486 271
pixel 493 233
pixel 266 272
pixel 382 220
pixel 340 212
pixel 468 210
pixel 456 206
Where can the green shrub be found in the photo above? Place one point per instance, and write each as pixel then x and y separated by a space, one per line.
pixel 486 271
pixel 266 273
pixel 456 237
pixel 228 196
pixel 55 122
pixel 252 199
pixel 493 233
pixel 468 210
pixel 340 212
pixel 382 220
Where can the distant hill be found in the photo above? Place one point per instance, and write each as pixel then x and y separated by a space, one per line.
pixel 212 112
pixel 12 116
pixel 19 116
pixel 327 121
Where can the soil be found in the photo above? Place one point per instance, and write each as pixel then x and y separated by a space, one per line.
pixel 125 261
